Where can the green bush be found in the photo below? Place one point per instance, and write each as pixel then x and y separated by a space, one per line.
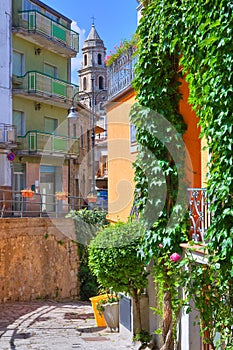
pixel 114 260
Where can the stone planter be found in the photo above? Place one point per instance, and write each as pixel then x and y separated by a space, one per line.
pixel 111 315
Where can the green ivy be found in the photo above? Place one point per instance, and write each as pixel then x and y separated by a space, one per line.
pixel 197 36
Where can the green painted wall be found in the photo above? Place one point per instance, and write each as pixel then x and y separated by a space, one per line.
pixel 35 119
pixel 36 62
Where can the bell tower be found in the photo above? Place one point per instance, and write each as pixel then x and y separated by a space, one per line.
pixel 93 66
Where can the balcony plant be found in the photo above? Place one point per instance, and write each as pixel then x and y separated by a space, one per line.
pixel 92 198
pixel 61 195
pixel 27 193
pixel 124 46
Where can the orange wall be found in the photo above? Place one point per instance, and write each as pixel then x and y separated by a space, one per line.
pixel 191 139
pixel 120 159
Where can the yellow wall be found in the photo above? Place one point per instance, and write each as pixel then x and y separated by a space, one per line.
pixel 120 159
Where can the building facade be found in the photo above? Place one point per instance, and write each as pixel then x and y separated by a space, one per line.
pixel 37 71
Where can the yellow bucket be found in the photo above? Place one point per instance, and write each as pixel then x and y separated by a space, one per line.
pixel 99 319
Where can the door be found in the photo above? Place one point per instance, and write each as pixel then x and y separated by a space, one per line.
pixel 47 188
pixel 19 182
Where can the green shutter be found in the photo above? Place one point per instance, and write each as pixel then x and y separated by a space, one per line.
pixel 58 32
pixel 59 88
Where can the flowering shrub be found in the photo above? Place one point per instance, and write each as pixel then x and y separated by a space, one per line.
pixel 118 50
pixel 175 257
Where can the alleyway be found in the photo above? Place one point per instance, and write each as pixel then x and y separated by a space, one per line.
pixel 51 325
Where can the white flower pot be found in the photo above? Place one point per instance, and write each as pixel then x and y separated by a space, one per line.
pixel 111 315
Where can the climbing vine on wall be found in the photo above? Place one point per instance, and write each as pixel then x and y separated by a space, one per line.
pixel 197 36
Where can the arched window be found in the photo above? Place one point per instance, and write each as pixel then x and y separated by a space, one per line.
pixel 85 60
pixel 101 83
pixel 99 58
pixel 84 83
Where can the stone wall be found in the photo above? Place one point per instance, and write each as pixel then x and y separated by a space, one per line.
pixel 38 259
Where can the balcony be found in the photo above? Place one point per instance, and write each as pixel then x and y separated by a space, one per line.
pixel 15 204
pixel 46 32
pixel 199 213
pixel 121 73
pixel 7 136
pixel 44 143
pixel 44 87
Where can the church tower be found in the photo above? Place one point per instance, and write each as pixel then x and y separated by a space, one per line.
pixel 93 72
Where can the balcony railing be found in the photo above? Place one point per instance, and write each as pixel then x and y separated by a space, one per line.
pixel 7 134
pixel 36 22
pixel 41 142
pixel 199 213
pixel 14 204
pixel 121 73
pixel 45 85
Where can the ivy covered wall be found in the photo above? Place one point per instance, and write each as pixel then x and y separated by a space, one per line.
pixel 192 40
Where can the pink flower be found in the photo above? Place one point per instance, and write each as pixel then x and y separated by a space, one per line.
pixel 175 257
pixel 160 245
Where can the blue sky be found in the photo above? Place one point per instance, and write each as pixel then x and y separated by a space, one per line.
pixel 114 20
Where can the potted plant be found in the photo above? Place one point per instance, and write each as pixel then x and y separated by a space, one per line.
pixel 109 308
pixel 27 193
pixel 92 198
pixel 61 195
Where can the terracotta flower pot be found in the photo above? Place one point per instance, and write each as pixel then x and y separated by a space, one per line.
pixel 27 193
pixel 92 199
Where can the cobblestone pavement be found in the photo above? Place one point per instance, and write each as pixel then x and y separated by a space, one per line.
pixel 51 325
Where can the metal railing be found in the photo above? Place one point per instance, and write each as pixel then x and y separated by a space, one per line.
pixel 44 84
pixel 14 204
pixel 7 133
pixel 48 143
pixel 121 73
pixel 199 213
pixel 34 21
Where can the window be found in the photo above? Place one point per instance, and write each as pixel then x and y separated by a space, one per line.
pixel 50 124
pixel 19 122
pixel 132 134
pixel 29 6
pixel 84 83
pixel 50 70
pixel 81 137
pixel 99 58
pixel 18 63
pixel 51 16
pixel 85 60
pixel 101 83
pixel 74 130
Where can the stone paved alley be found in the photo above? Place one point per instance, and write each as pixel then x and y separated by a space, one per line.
pixel 49 325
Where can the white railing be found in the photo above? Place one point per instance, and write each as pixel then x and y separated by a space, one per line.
pixel 7 133
pixel 121 73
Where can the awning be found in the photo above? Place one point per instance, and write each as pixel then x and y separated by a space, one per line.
pixel 99 130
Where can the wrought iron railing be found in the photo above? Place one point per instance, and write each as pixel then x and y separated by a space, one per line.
pixel 36 141
pixel 199 213
pixel 34 21
pixel 7 133
pixel 43 84
pixel 121 72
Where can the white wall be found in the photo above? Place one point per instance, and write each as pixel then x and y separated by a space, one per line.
pixel 5 63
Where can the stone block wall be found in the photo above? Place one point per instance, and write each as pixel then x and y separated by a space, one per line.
pixel 38 259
